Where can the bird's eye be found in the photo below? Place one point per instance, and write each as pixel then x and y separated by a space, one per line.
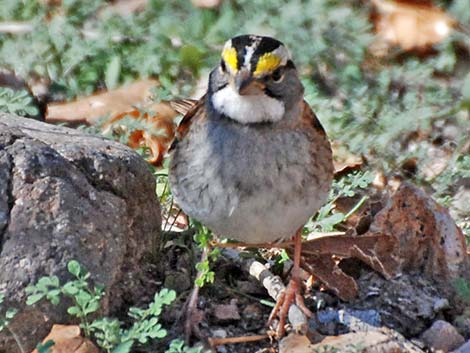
pixel 223 68
pixel 278 74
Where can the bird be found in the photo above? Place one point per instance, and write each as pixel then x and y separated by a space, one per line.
pixel 250 160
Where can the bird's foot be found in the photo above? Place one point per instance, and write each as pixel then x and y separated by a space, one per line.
pixel 292 294
pixel 193 316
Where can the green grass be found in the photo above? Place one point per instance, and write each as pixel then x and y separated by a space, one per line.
pixel 372 107
pixel 389 110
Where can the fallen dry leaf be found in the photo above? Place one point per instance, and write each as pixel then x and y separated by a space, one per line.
pixel 226 312
pixel 90 109
pixel 51 2
pixel 411 233
pixel 67 339
pixel 295 343
pixel 206 4
pixel 376 250
pixel 156 133
pixel 344 161
pixel 411 25
pixel 124 7
pixel 154 126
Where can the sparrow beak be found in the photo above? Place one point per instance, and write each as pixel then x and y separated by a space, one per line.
pixel 245 84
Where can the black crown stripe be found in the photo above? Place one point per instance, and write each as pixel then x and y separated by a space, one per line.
pixel 265 45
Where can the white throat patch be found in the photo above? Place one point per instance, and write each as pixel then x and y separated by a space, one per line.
pixel 247 109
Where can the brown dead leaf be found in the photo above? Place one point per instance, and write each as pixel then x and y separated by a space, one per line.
pixel 344 161
pixel 89 109
pixel 206 4
pixel 67 339
pixel 123 7
pixel 51 2
pixel 157 133
pixel 226 312
pixel 376 250
pixel 158 129
pixel 295 343
pixel 411 25
pixel 411 233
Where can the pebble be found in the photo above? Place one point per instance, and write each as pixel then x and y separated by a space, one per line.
pixel 227 312
pixel 440 304
pixel 442 336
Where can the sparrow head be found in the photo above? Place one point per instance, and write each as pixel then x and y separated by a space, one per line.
pixel 255 81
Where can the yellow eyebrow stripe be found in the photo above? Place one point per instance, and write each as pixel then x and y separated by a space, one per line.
pixel 230 57
pixel 266 63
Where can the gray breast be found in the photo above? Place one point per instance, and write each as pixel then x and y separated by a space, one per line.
pixel 252 183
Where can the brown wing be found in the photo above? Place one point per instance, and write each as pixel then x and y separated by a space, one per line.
pixel 320 147
pixel 182 106
pixel 309 118
pixel 190 116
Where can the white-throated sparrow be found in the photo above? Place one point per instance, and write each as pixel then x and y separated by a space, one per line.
pixel 251 160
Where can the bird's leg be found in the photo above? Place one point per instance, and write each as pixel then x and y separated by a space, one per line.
pixel 193 316
pixel 292 293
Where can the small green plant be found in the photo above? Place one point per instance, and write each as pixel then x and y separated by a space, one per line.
pixel 17 102
pixel 8 316
pixel 5 322
pixel 178 346
pixel 350 348
pixel 327 349
pixel 113 338
pixel 85 298
pixel 109 333
pixel 347 186
pixel 203 237
pixel 45 347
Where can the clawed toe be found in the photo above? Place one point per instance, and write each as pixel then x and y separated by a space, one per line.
pixel 281 310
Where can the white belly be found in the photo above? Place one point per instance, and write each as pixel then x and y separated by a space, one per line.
pixel 249 185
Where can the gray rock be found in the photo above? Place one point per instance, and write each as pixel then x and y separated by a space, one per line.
pixel 442 336
pixel 405 303
pixel 465 348
pixel 381 340
pixel 67 195
pixel 359 320
pixel 346 319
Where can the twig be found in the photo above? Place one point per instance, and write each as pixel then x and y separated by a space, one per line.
pixel 214 342
pixel 16 338
pixel 356 207
pixel 275 288
pixel 272 283
pixel 317 235
pixel 251 297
